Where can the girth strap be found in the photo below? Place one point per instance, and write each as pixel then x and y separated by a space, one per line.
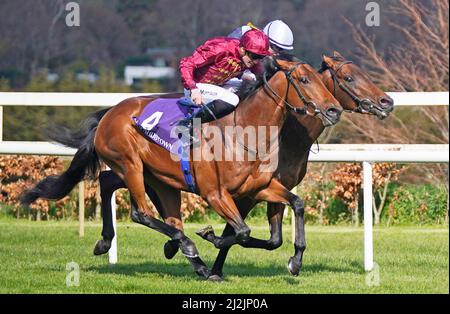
pixel 185 168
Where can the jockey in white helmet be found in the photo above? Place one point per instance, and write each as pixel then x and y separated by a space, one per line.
pixel 279 33
pixel 281 39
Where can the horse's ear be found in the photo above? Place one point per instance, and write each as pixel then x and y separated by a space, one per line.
pixel 338 56
pixel 328 61
pixel 271 64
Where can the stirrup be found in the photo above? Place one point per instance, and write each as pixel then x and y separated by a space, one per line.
pixel 184 124
pixel 194 140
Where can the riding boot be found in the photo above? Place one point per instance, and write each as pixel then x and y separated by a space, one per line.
pixel 214 110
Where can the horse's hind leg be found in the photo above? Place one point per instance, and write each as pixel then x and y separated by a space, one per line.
pixel 171 247
pixel 169 197
pixel 170 200
pixel 109 182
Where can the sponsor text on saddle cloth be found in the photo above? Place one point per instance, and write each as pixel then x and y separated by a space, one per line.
pixel 158 123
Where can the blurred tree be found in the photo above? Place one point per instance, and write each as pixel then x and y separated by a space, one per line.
pixel 107 82
pixel 39 83
pixel 419 62
pixel 4 85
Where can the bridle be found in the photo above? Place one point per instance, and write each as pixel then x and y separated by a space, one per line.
pixel 364 105
pixel 307 103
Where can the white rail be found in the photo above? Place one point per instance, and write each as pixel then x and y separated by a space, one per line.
pixel 422 153
pixel 111 99
pixel 367 154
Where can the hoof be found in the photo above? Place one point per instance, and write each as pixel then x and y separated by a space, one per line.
pixel 205 232
pixel 171 248
pixel 203 273
pixel 215 278
pixel 135 217
pixel 294 267
pixel 188 249
pixel 102 247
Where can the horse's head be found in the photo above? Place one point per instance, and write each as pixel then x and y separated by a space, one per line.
pixel 353 87
pixel 306 94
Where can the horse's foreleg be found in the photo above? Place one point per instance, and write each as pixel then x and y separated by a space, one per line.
pixel 217 269
pixel 277 193
pixel 295 262
pixel 225 206
pixel 275 217
pixel 273 243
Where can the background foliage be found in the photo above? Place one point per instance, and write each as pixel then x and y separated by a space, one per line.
pixel 330 199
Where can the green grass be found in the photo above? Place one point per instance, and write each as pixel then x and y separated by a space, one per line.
pixel 33 258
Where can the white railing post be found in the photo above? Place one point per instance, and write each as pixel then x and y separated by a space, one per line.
pixel 113 250
pixel 1 123
pixel 368 227
pixel 81 208
pixel 293 231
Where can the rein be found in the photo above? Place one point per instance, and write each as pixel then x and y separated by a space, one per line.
pixel 306 103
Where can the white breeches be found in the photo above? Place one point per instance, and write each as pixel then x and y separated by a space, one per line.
pixel 212 92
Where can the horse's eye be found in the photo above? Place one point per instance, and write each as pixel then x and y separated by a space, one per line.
pixel 304 80
pixel 348 79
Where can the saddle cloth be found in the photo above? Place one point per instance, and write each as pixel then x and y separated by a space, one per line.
pixel 159 119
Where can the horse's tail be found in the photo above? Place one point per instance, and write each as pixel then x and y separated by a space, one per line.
pixel 84 164
pixel 76 138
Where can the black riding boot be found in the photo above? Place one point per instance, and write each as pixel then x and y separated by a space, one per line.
pixel 214 110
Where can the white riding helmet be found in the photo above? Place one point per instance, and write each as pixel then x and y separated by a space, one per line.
pixel 280 34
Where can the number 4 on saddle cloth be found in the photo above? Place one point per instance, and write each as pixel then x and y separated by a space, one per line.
pixel 158 122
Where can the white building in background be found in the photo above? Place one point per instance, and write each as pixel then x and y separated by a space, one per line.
pixel 87 76
pixel 161 64
pixel 143 72
pixel 83 76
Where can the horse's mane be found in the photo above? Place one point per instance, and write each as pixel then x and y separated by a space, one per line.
pixel 270 67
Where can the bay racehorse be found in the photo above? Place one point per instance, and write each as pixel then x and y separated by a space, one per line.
pixel 356 93
pixel 295 87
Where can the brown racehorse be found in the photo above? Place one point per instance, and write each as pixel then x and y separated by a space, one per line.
pixel 356 93
pixel 137 161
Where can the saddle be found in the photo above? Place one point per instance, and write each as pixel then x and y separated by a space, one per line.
pixel 158 123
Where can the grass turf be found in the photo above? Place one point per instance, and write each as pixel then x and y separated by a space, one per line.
pixel 34 255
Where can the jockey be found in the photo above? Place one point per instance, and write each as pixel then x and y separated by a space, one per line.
pixel 281 39
pixel 214 63
pixel 280 35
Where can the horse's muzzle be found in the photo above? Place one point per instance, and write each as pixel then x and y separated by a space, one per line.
pixel 386 103
pixel 384 107
pixel 332 116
